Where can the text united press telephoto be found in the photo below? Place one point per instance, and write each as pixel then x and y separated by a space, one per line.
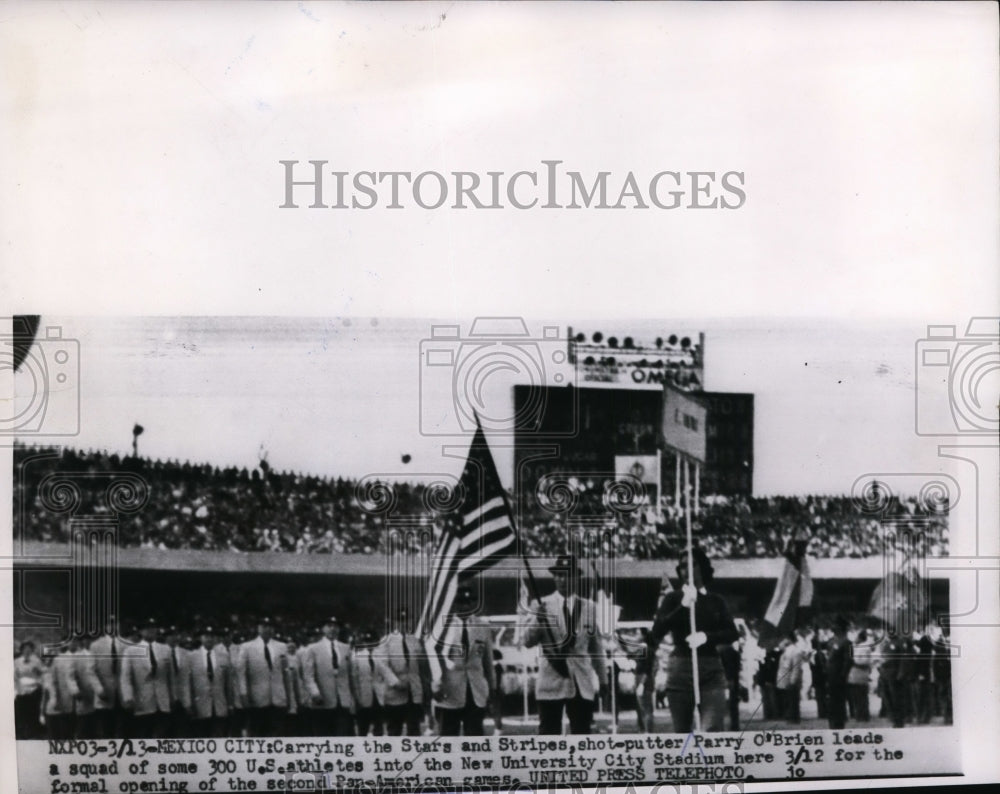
pixel 487 553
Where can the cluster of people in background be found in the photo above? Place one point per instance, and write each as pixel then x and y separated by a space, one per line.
pixel 201 507
pixel 841 666
pixel 215 680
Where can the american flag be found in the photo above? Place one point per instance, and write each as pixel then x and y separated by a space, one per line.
pixel 482 535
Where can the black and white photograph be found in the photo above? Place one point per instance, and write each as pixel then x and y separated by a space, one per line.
pixel 527 397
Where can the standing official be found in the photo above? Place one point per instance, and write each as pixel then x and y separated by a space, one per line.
pixel 714 626
pixel 839 654
pixel 261 675
pixel 572 669
pixel 368 686
pixel 147 684
pixel 209 684
pixel 402 663
pixel 468 680
pixel 328 681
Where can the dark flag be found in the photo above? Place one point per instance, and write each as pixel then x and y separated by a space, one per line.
pixel 899 601
pixel 482 536
pixel 793 591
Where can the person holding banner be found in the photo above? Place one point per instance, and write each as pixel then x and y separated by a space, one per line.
pixel 713 626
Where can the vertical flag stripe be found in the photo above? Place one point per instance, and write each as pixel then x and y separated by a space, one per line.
pixel 484 536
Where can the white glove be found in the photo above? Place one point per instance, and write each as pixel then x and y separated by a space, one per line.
pixel 697 639
pixel 690 595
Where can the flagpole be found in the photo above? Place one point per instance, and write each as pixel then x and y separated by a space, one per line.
pixel 697 486
pixel 659 484
pixel 690 568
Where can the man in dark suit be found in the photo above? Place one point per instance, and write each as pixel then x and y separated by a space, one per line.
pixel 261 674
pixel 572 669
pixel 468 679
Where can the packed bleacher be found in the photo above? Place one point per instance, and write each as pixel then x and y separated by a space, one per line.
pixel 198 506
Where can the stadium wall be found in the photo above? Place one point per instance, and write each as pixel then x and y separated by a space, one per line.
pixel 180 586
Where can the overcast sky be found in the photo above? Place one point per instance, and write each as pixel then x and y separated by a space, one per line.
pixel 346 396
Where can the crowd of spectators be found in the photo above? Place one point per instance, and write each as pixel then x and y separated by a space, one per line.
pixel 198 506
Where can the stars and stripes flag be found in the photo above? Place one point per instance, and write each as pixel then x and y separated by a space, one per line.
pixel 792 593
pixel 481 536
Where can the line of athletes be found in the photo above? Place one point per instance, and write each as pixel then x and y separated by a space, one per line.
pixel 266 687
pixel 153 686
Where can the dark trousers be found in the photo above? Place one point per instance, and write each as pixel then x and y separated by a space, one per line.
pixel 86 726
pixel 26 711
pixel 60 726
pixel 266 721
pixel 942 695
pixel 109 723
pixel 713 709
pixel 790 703
pixel 466 721
pixel 236 723
pixel 332 722
pixel 820 692
pixel 734 706
pixel 178 722
pixel 150 726
pixel 408 715
pixel 579 710
pixel 836 706
pixel 921 692
pixel 859 701
pixel 369 719
pixel 207 728
pixel 769 699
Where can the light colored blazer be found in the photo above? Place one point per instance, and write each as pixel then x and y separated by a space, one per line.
pixel 261 686
pixel 104 666
pixel 208 698
pixel 146 692
pixel 233 652
pixel 583 652
pixel 62 685
pixel 463 672
pixel 403 681
pixel 180 690
pixel 87 681
pixel 366 681
pixel 323 680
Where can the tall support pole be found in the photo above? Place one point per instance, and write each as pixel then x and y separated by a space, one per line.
pixel 697 487
pixel 677 479
pixel 659 484
pixel 690 567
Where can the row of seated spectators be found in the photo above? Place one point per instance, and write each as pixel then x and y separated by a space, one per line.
pixel 191 506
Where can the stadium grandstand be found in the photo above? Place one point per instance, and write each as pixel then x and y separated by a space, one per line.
pixel 200 507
